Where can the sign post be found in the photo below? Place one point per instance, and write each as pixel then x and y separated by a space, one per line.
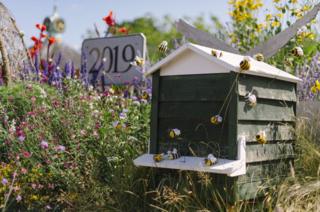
pixel 109 60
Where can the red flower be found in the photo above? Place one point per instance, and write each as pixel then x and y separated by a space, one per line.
pixel 42 35
pixel 123 30
pixel 109 19
pixel 34 39
pixel 26 154
pixel 51 40
pixel 41 27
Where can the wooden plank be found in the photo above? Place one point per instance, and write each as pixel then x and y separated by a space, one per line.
pixel 265 171
pixel 232 118
pixel 190 110
pixel 203 38
pixel 198 134
pixel 266 88
pixel 259 152
pixel 266 110
pixel 275 131
pixel 207 87
pixel 154 113
pixel 272 46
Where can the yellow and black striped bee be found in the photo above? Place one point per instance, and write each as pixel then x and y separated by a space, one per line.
pixel 261 137
pixel 158 157
pixel 173 133
pixel 216 53
pixel 245 64
pixel 259 57
pixel 210 160
pixel 138 61
pixel 297 51
pixel 163 47
pixel 145 95
pixel 217 119
pixel 173 155
pixel 251 99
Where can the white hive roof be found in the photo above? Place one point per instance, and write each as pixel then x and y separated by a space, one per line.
pixel 229 61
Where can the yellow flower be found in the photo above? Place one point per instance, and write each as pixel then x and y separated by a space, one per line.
pixel 314 89
pixel 275 24
pixel 317 85
pixel 276 1
pixel 268 17
pixel 294 1
pixel 280 15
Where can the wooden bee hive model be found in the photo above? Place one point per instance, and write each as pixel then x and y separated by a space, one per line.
pixel 239 111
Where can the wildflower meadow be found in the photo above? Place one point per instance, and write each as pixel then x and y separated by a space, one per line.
pixel 69 145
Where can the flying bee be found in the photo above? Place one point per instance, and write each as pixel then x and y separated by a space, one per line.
pixel 173 133
pixel 210 160
pixel 163 47
pixel 158 157
pixel 172 155
pixel 259 57
pixel 261 137
pixel 297 51
pixel 251 99
pixel 217 119
pixel 245 64
pixel 138 61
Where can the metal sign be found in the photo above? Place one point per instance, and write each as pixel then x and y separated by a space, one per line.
pixel 109 60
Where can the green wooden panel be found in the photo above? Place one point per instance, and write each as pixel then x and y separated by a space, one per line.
pixel 259 152
pixel 154 113
pixel 267 88
pixel 275 131
pixel 198 134
pixel 266 110
pixel 265 170
pixel 190 110
pixel 208 87
pixel 232 118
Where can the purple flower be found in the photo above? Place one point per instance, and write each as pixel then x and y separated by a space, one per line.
pixel 60 148
pixel 18 198
pixel 44 144
pixel 4 181
pixel 21 138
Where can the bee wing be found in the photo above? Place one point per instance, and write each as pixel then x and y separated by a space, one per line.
pixel 271 46
pixel 203 38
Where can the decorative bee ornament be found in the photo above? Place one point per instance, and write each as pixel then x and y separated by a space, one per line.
pixel 210 160
pixel 215 53
pixel 261 137
pixel 174 133
pixel 138 61
pixel 259 57
pixel 163 47
pixel 172 155
pixel 297 51
pixel 245 64
pixel 158 157
pixel 217 119
pixel 251 99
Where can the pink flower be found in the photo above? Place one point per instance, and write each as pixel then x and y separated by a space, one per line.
pixel 24 170
pixel 21 138
pixel 60 148
pixel 26 154
pixel 44 144
pixel 18 198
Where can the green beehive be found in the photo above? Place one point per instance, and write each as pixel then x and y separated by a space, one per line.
pixel 254 140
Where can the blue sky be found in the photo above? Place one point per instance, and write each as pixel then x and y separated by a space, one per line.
pixel 81 14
